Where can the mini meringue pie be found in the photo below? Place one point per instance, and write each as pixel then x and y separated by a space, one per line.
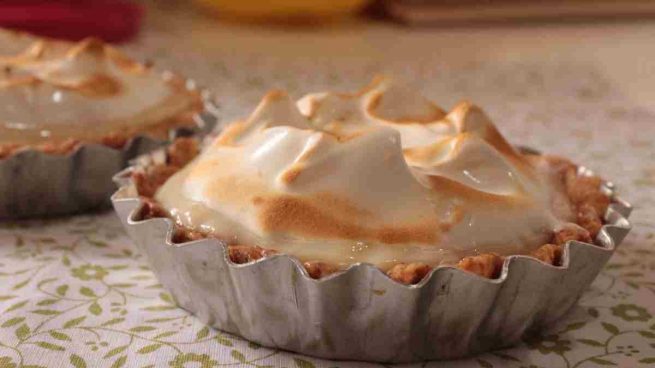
pixel 72 114
pixel 380 176
pixel 55 95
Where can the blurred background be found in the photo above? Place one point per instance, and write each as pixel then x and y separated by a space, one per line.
pixel 531 64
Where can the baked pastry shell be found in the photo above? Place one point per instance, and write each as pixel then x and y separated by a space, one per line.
pixel 360 313
pixel 37 184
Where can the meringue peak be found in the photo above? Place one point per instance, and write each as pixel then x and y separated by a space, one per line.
pixel 275 109
pixel 393 103
pixel 89 46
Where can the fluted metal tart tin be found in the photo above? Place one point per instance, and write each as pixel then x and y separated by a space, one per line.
pixel 37 184
pixel 360 313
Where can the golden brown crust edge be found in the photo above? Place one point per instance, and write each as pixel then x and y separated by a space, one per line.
pixel 589 201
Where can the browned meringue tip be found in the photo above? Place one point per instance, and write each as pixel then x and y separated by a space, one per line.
pixel 91 46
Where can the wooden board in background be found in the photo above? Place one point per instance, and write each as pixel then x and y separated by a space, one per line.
pixel 436 12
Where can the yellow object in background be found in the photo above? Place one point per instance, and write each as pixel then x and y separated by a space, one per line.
pixel 293 11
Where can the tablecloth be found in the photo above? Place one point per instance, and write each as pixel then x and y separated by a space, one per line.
pixel 74 292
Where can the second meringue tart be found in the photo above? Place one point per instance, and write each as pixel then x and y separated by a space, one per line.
pixel 73 114
pixel 55 95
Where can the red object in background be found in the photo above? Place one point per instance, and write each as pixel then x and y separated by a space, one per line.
pixel 109 20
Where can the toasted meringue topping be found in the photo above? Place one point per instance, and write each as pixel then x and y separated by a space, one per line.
pixel 380 176
pixel 54 90
pixel 418 120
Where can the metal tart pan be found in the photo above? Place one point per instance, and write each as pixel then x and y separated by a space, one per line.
pixel 360 313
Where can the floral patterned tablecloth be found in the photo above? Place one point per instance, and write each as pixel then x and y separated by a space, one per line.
pixel 75 293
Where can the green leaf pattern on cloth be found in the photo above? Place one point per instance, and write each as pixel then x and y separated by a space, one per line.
pixel 102 307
